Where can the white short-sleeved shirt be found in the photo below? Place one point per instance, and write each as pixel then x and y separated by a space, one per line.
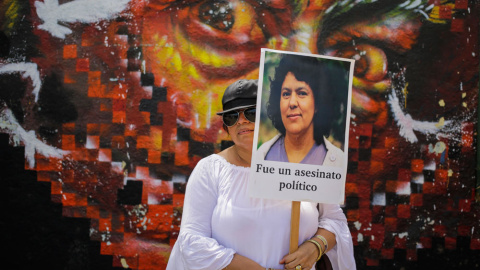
pixel 220 219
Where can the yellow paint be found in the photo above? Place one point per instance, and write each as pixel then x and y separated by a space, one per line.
pixel 272 42
pixel 440 123
pixel 12 11
pixel 177 61
pixel 125 172
pixel 201 97
pixel 378 87
pixel 464 104
pixel 441 103
pixel 11 15
pixel 284 43
pixel 450 173
pixel 202 55
pixel 435 13
pixel 377 59
pixel 157 138
pixel 437 21
pixel 192 71
pixel 124 263
pixel 278 43
pixel 162 41
pixel 216 61
pixel 164 52
pixel 438 149
pixel 405 93
pixel 464 95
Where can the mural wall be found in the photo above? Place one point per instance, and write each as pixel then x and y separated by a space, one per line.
pixel 114 102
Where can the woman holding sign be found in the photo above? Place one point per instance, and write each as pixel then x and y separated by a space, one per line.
pixel 223 228
pixel 300 108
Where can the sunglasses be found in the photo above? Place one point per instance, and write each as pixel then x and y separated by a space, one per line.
pixel 231 118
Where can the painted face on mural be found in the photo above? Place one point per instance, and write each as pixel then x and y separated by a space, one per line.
pixel 139 96
pixel 200 48
pixel 209 44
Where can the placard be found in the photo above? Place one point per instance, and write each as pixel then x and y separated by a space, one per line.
pixel 301 132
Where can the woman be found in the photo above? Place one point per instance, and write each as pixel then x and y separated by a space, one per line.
pixel 300 109
pixel 223 228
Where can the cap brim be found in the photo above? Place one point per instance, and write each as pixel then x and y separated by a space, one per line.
pixel 236 108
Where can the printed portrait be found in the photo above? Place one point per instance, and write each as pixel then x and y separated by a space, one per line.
pixel 304 116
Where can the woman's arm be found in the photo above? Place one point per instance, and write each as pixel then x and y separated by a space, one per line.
pixel 240 262
pixel 197 248
pixel 333 219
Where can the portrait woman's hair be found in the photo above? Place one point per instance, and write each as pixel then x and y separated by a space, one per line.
pixel 314 72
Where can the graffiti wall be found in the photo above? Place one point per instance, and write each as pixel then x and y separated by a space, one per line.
pixel 111 103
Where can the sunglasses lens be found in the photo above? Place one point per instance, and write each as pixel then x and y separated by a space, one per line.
pixel 230 118
pixel 250 114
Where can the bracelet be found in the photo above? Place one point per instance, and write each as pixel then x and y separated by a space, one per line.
pixel 320 253
pixel 323 240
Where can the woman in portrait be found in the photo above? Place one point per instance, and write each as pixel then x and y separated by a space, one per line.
pixel 300 108
pixel 223 228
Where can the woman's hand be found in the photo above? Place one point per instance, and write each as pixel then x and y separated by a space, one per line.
pixel 306 256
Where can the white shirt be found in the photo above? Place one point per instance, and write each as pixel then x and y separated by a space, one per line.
pixel 220 219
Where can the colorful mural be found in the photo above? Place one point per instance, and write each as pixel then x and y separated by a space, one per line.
pixel 114 102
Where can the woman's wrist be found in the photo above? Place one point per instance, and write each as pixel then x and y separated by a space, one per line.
pixel 324 242
pixel 319 248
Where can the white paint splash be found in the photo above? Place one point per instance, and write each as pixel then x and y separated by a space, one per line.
pixel 83 11
pixel 28 70
pixel 357 225
pixel 10 125
pixel 360 237
pixel 403 188
pixel 379 199
pixel 302 38
pixel 416 5
pixel 411 4
pixel 408 125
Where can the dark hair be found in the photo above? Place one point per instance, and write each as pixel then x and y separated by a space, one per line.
pixel 314 72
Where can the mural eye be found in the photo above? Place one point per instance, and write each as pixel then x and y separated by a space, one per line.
pixel 220 38
pixel 371 63
pixel 234 25
pixel 218 15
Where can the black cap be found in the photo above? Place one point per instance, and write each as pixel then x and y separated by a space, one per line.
pixel 240 94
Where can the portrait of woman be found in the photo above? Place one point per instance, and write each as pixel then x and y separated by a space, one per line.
pixel 303 109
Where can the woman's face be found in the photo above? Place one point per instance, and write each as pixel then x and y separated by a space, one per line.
pixel 297 106
pixel 242 132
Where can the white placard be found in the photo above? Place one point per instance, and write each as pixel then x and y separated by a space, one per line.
pixel 314 179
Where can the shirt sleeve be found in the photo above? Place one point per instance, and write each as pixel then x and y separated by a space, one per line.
pixel 332 219
pixel 197 247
